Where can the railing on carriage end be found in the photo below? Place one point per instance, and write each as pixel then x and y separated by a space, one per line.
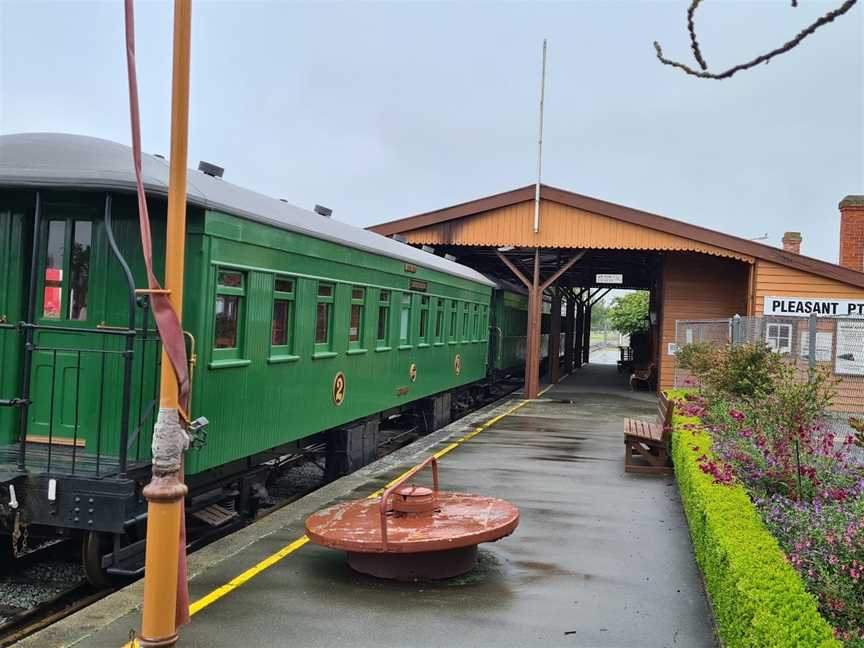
pixel 95 404
pixel 104 428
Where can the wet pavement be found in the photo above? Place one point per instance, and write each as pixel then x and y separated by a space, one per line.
pixel 600 558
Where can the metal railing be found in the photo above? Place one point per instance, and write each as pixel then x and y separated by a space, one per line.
pixel 835 344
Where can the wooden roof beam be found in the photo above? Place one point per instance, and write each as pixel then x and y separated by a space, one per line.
pixel 605 292
pixel 514 270
pixel 561 270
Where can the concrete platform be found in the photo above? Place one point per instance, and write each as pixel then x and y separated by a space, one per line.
pixel 600 558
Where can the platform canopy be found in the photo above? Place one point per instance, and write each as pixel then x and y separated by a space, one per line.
pixel 564 245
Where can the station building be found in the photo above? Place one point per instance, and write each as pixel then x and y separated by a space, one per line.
pixel 570 248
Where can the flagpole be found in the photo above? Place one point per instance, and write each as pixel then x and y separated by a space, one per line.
pixel 540 142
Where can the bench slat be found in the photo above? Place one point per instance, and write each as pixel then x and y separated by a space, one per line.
pixel 642 430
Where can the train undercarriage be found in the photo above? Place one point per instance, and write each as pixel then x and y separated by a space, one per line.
pixel 107 516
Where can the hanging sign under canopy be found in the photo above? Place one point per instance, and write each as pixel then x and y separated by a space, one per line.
pixel 609 279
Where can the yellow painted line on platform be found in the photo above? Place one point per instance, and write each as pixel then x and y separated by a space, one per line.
pixel 247 575
pixel 271 560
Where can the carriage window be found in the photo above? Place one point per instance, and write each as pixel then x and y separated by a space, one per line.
pixel 439 320
pixel 485 324
pixel 405 320
pixel 383 315
pixel 281 315
pixel 283 296
pixel 355 326
pixel 454 313
pixel 230 291
pixel 230 279
pixel 227 314
pixel 79 270
pixel 466 334
pixel 62 289
pixel 283 285
pixel 476 333
pixel 323 317
pixel 55 256
pixel 424 320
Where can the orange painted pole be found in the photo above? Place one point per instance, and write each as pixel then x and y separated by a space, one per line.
pixel 166 490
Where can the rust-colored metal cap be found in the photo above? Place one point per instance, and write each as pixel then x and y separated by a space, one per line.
pixel 458 520
pixel 411 499
pixel 426 526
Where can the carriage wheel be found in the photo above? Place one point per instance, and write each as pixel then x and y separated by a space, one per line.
pixel 93 547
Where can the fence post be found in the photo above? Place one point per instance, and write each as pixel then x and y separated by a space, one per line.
pixel 811 352
pixel 736 329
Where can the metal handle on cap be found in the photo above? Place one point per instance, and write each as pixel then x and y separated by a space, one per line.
pixel 385 497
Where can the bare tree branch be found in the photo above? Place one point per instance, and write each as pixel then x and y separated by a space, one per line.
pixel 764 58
pixel 691 27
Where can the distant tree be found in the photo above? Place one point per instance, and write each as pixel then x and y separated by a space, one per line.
pixel 628 313
pixel 703 71
pixel 599 314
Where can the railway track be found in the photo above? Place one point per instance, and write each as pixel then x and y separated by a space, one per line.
pixel 45 587
pixel 40 589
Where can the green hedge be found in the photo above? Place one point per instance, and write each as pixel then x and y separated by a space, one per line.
pixel 759 600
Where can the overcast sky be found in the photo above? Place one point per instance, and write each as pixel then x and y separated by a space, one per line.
pixel 380 111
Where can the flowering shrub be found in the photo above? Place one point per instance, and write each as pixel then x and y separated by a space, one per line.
pixel 758 598
pixel 824 541
pixel 737 371
pixel 806 482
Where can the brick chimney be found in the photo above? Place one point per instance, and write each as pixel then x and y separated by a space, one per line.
pixel 852 232
pixel 792 242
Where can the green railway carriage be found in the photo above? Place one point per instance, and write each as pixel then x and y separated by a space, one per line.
pixel 296 325
pixel 509 339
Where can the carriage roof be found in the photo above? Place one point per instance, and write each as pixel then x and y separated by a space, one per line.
pixel 81 162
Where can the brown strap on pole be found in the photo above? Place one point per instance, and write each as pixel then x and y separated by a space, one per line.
pixel 163 312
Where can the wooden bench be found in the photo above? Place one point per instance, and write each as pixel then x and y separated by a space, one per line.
pixel 625 359
pixel 644 377
pixel 646 445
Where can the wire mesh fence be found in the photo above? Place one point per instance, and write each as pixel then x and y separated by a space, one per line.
pixel 833 343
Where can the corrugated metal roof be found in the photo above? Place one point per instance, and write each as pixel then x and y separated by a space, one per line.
pixel 733 245
pixel 76 161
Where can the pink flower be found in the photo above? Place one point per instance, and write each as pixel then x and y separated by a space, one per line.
pixel 735 415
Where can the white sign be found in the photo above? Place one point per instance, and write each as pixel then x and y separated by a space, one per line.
pixel 821 306
pixel 850 349
pixel 672 349
pixel 609 279
pixel 824 345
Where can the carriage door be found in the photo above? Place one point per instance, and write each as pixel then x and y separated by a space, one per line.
pixel 15 225
pixel 62 389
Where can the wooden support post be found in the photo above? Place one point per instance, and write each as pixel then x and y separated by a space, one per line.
pixel 535 310
pixel 578 354
pixel 586 346
pixel 554 371
pixel 569 323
